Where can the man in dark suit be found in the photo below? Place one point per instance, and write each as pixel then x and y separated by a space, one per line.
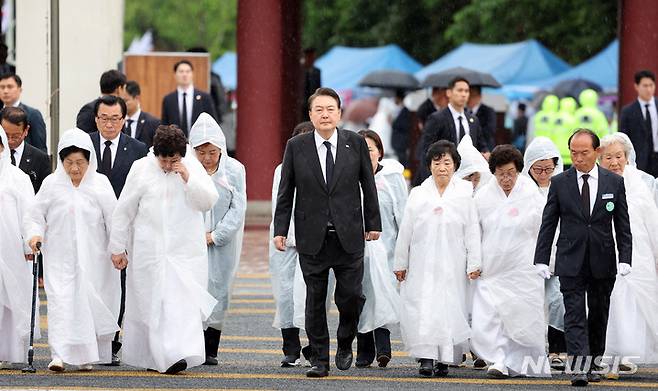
pixel 451 123
pixel 585 200
pixel 115 153
pixel 328 169
pixel 639 120
pixel 11 87
pixel 140 125
pixel 183 106
pixel 437 101
pixel 113 83
pixel 486 116
pixel 32 161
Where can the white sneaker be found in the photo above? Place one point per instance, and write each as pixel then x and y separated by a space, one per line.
pixel 56 365
pixel 85 367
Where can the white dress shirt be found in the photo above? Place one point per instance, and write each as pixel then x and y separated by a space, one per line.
pixel 133 125
pixel 593 182
pixel 18 154
pixel 113 147
pixel 322 150
pixel 455 117
pixel 188 102
pixel 654 118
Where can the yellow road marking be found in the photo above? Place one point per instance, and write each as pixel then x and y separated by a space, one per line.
pixel 252 285
pixel 252 301
pixel 254 276
pixel 244 294
pixel 261 311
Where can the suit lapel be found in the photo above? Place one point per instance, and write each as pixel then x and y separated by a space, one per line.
pixel 311 154
pixel 139 125
pixel 176 108
pixel 196 106
pixel 575 191
pixel 342 152
pixel 96 140
pixel 26 159
pixel 451 124
pixel 599 191
pixel 119 159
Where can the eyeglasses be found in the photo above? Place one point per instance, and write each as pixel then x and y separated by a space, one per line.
pixel 114 120
pixel 539 170
pixel 506 175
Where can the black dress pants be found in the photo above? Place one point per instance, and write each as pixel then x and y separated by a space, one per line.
pixel 348 270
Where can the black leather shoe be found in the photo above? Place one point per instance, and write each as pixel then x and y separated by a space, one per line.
pixel 344 359
pixel 318 371
pixel 593 377
pixel 290 361
pixel 177 367
pixel 210 360
pixel 579 380
pixel 440 369
pixel 383 360
pixel 426 367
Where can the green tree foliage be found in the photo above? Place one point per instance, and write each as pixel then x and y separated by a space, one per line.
pixel 179 25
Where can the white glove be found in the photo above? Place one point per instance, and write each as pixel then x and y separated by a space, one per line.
pixel 543 271
pixel 623 268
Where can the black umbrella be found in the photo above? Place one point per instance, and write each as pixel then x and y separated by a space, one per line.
pixel 573 87
pixel 475 78
pixel 396 80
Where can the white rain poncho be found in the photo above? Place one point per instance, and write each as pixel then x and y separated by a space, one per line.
pixel 82 285
pixel 648 179
pixel 225 220
pixel 542 148
pixel 159 221
pixel 382 306
pixel 16 197
pixel 508 298
pixel 438 244
pixel 472 161
pixel 382 122
pixel 633 321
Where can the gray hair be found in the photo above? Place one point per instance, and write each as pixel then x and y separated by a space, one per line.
pixel 625 143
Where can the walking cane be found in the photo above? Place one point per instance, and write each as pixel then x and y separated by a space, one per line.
pixel 35 281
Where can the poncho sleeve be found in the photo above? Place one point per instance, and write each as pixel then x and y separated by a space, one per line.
pixel 233 220
pixel 199 190
pixel 125 211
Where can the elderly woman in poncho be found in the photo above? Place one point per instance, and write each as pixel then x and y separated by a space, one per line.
pixel 633 317
pixel 381 310
pixel 508 298
pixel 437 251
pixel 158 232
pixel 224 222
pixel 16 197
pixel 473 167
pixel 542 160
pixel 72 216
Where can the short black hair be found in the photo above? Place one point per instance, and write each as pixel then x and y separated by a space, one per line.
pixel 521 107
pixel 456 80
pixel 476 89
pixel 14 115
pixel 440 148
pixel 596 141
pixel 371 134
pixel 73 149
pixel 111 80
pixel 168 141
pixel 303 127
pixel 503 154
pixel 323 91
pixel 110 100
pixel 132 88
pixel 639 75
pixel 181 62
pixel 14 76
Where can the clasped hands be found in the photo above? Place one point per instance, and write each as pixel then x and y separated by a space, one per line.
pixel 401 275
pixel 120 261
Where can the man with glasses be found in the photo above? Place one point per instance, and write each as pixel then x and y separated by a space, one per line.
pixel 115 152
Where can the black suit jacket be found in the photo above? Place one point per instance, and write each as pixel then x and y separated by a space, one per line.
pixel 581 235
pixel 36 164
pixel 128 151
pixel 425 110
pixel 487 118
pixel 37 134
pixel 301 172
pixel 201 103
pixel 631 122
pixel 86 119
pixel 145 130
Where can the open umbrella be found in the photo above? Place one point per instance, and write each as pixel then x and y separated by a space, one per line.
pixel 573 87
pixel 475 78
pixel 396 80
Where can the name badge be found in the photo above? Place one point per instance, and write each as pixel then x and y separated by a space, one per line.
pixel 607 196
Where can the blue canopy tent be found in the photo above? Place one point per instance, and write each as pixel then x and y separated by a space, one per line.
pixel 343 67
pixel 226 67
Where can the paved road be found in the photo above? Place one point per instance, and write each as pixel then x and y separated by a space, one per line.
pixel 250 352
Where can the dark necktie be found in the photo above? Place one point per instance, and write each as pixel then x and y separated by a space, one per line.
pixel 584 194
pixel 13 158
pixel 647 122
pixel 106 163
pixel 462 132
pixel 329 166
pixel 129 127
pixel 183 120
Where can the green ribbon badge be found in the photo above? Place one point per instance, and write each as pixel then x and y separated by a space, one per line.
pixel 610 206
